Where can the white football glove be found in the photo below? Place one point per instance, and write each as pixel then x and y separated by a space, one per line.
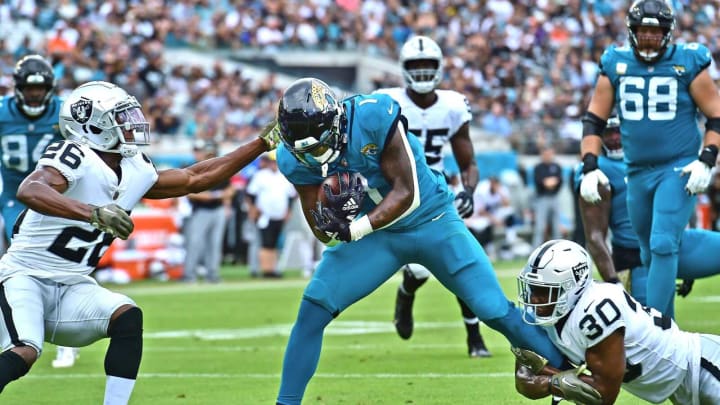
pixel 589 185
pixel 700 177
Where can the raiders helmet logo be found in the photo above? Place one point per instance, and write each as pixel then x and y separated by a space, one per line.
pixel 579 271
pixel 81 110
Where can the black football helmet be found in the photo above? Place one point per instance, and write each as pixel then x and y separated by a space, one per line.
pixel 33 71
pixel 311 120
pixel 650 13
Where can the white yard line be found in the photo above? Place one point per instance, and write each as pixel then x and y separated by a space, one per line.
pixel 336 328
pixel 60 376
pixel 173 288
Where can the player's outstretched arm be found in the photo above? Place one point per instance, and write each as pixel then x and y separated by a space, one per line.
pixel 595 218
pixel 205 174
pixel 42 191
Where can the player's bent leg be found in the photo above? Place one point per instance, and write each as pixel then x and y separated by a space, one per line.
pixel 465 269
pixel 697 257
pixel 662 272
pixel 21 325
pixel 122 360
pixel 414 276
pixel 475 343
pixel 15 363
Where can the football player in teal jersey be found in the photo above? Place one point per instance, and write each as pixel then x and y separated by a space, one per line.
pixel 28 124
pixel 622 264
pixel 657 88
pixel 408 216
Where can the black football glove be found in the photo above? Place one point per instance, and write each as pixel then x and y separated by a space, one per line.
pixel 464 204
pixel 327 221
pixel 346 204
pixel 684 288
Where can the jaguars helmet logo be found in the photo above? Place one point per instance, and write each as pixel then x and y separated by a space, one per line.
pixel 81 110
pixel 321 98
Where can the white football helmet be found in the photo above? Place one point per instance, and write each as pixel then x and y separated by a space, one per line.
pixel 553 279
pixel 104 117
pixel 421 48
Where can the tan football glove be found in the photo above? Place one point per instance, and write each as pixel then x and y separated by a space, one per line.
pixel 112 219
pixel 529 359
pixel 574 389
pixel 270 134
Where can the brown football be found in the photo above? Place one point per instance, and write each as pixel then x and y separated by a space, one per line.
pixel 333 181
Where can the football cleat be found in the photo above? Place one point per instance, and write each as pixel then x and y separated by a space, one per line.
pixel 403 314
pixel 476 348
pixel 66 357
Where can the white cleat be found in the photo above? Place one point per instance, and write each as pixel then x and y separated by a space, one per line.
pixel 66 357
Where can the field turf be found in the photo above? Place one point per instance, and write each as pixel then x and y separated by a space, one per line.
pixel 223 344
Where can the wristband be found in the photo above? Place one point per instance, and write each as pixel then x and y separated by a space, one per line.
pixel 360 227
pixel 709 155
pixel 589 162
pixel 613 280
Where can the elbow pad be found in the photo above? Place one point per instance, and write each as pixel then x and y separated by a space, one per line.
pixel 593 125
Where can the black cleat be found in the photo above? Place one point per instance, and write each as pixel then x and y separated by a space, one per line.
pixel 477 349
pixel 403 314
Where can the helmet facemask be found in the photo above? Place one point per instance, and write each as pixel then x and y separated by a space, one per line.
pixel 318 151
pixel 421 61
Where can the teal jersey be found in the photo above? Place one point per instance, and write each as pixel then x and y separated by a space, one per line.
pixel 622 232
pixel 658 117
pixel 23 141
pixel 372 120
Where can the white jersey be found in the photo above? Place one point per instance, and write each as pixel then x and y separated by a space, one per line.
pixel 64 250
pixel 435 125
pixel 658 354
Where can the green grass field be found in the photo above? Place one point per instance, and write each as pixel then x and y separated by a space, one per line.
pixel 223 344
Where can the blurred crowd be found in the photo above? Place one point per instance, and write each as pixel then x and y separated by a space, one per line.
pixel 527 67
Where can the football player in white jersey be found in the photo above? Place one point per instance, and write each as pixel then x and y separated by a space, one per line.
pixel 436 117
pixel 601 326
pixel 78 200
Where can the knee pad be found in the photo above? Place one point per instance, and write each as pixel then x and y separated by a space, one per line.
pixel 125 350
pixel 129 323
pixel 663 244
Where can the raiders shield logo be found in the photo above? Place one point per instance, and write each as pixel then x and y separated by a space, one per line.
pixel 81 110
pixel 579 271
